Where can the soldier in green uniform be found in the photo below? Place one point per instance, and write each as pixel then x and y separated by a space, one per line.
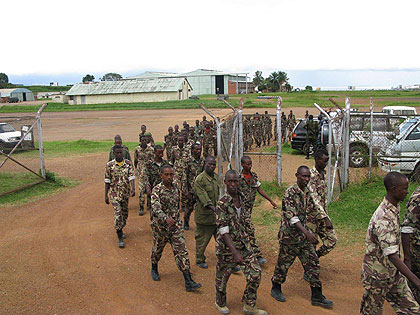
pixel 291 123
pixel 208 140
pixel 283 128
pixel 318 220
pixel 194 167
pixel 142 154
pixel 296 240
pixel 246 130
pixel 257 130
pixel 233 248
pixel 410 235
pixel 206 189
pixel 126 152
pixel 119 185
pixel 384 274
pixel 169 141
pixel 176 132
pixel 143 132
pixel 249 185
pixel 167 227
pixel 312 129
pixel 181 156
pixel 197 130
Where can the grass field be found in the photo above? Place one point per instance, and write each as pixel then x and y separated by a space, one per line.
pixel 9 181
pixel 293 99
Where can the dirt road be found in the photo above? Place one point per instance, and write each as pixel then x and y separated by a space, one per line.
pixel 59 255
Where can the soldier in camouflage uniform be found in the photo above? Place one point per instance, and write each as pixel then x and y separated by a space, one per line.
pixel 410 234
pixel 126 152
pixel 142 154
pixel 176 132
pixel 291 123
pixel 318 220
pixel 208 140
pixel 233 248
pixel 269 127
pixel 312 129
pixel 119 185
pixel 167 227
pixel 143 132
pixel 194 167
pixel 169 141
pixel 296 240
pixel 384 274
pixel 257 130
pixel 246 133
pixel 284 128
pixel 197 130
pixel 249 185
pixel 181 156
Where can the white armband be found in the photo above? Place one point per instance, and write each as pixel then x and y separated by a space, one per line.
pixel 407 230
pixel 391 250
pixel 132 178
pixel 107 181
pixel 258 183
pixel 294 220
pixel 224 230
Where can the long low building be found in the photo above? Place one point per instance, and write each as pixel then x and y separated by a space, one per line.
pixel 130 91
pixel 21 94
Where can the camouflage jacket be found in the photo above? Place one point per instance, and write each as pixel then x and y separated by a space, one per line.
pixel 317 186
pixel 152 141
pixel 411 223
pixel 194 168
pixel 312 128
pixel 248 187
pixel 206 188
pixel 118 178
pixel 165 204
pixel 153 172
pixel 291 121
pixel 169 141
pixel 383 238
pixel 228 221
pixel 141 157
pixel 283 122
pixel 294 208
pixel 126 153
pixel 181 157
pixel 208 137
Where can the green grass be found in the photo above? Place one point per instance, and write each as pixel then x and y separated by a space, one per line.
pixel 10 181
pixel 293 99
pixel 81 146
pixel 286 148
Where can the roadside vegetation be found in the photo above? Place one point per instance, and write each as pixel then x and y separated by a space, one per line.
pixel 290 100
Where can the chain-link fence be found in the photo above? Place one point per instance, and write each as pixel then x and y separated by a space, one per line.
pixel 20 134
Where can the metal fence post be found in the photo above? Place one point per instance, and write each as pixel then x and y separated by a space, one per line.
pixel 371 139
pixel 279 137
pixel 41 146
pixel 347 143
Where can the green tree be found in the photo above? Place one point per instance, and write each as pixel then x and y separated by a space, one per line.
pixel 259 81
pixel 4 80
pixel 88 78
pixel 111 77
pixel 276 80
pixel 308 88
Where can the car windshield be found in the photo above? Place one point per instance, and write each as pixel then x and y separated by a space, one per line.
pixel 6 128
pixel 406 125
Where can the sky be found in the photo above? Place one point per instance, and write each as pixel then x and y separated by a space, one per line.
pixel 320 43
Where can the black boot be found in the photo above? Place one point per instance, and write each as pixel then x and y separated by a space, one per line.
pixel 190 284
pixel 276 292
pixel 318 299
pixel 155 273
pixel 120 239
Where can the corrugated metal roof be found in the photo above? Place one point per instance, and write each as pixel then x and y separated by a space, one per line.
pixel 7 92
pixel 127 86
pixel 154 75
pixel 204 72
pixel 195 73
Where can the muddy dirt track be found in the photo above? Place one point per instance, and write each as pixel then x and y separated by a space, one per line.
pixel 58 255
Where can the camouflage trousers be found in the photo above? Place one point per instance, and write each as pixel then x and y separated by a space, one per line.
pixel 174 236
pixel 250 229
pixel 307 256
pixel 142 189
pixel 251 270
pixel 327 236
pixel 120 212
pixel 258 139
pixel 415 268
pixel 283 135
pixel 169 153
pixel 189 206
pixel 394 290
pixel 289 133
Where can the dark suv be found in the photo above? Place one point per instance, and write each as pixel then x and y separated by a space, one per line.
pixel 299 136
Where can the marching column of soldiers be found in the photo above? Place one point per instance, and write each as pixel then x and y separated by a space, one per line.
pixel 186 181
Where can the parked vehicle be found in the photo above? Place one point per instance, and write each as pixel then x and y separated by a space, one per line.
pixel 403 154
pixel 299 137
pixel 9 137
pixel 399 110
pixel 12 100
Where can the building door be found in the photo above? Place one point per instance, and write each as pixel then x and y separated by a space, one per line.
pixel 24 97
pixel 220 84
pixel 83 99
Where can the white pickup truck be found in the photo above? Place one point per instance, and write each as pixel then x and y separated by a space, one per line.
pixel 9 137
